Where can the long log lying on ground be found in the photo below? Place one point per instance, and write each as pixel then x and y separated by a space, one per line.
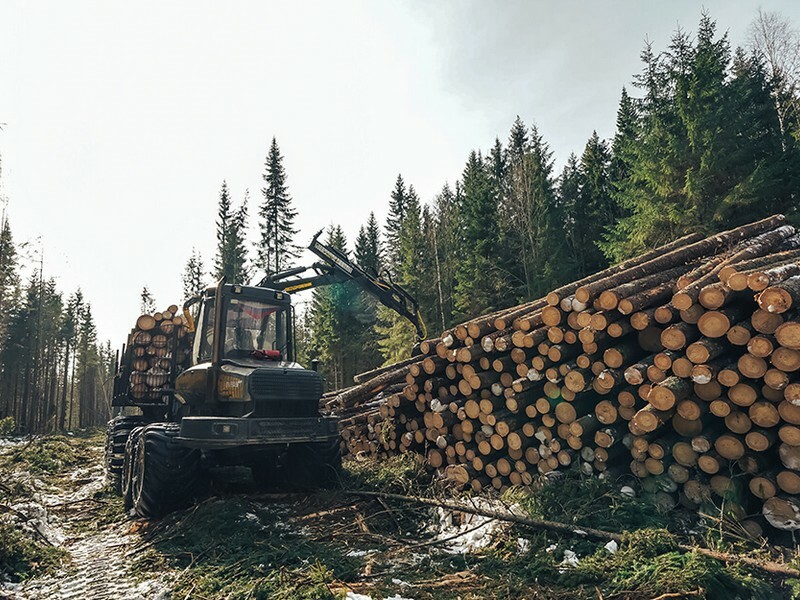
pixel 591 533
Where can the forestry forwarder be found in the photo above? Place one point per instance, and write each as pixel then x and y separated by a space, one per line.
pixel 237 398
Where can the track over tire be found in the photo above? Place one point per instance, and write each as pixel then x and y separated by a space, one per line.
pixel 165 476
pixel 131 447
pixel 314 465
pixel 117 432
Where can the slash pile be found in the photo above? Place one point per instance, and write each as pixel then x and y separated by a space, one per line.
pixel 680 366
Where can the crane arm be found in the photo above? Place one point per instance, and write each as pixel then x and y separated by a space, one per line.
pixel 336 267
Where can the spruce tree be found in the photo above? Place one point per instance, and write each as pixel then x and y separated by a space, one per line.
pixel 367 256
pixel 8 266
pixel 445 240
pixel 224 219
pixel 529 227
pixel 368 251
pixel 518 145
pixel 394 221
pixel 477 278
pixel 594 209
pixel 194 276
pixel 276 248
pixel 148 304
pixel 69 327
pixel 568 189
pixel 332 324
pixel 231 258
pixel 625 139
pixel 238 243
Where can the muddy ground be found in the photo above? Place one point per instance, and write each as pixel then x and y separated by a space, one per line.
pixel 241 543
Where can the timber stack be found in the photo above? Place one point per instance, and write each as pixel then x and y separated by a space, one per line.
pixel 680 366
pixel 156 344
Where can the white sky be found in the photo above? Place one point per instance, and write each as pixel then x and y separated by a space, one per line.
pixel 123 118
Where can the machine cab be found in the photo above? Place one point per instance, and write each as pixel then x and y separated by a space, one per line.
pixel 243 325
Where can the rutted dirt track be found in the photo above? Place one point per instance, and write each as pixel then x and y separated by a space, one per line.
pixel 62 510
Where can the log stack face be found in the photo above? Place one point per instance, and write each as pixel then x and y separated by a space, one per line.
pixel 681 366
pixel 155 344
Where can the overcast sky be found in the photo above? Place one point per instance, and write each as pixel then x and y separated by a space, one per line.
pixel 123 118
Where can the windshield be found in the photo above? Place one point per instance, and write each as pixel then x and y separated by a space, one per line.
pixel 251 325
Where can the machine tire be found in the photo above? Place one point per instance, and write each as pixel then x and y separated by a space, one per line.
pixel 117 432
pixel 314 466
pixel 165 475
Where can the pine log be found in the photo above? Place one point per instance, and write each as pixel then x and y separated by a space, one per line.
pixel 783 513
pixel 788 334
pixel 676 337
pixel 781 297
pixel 609 299
pixel 555 297
pixel 716 323
pixel 786 359
pixel 146 323
pixel 680 255
pixel 366 376
pixel 760 280
pixel 765 322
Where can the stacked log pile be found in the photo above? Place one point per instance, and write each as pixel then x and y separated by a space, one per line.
pixel 152 345
pixel 681 366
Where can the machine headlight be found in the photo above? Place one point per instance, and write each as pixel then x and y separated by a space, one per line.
pixel 230 386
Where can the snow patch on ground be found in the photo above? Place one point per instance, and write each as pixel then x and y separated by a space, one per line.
pixel 13 442
pixel 360 553
pixel 570 559
pixel 355 596
pixel 464 532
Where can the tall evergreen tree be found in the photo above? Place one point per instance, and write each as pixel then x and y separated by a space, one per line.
pixel 528 216
pixel 477 279
pixel 625 139
pixel 238 243
pixel 224 219
pixel 231 258
pixel 518 144
pixel 369 252
pixel 446 241
pixel 394 221
pixel 194 276
pixel 276 248
pixel 332 324
pixel 368 256
pixel 594 209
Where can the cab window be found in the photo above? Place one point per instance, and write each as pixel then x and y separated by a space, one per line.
pixel 251 325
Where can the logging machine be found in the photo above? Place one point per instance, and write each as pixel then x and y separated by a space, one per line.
pixel 223 389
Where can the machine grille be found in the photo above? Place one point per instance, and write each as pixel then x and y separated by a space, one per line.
pixel 285 392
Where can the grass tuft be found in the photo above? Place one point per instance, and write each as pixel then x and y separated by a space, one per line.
pixel 22 557
pixel 576 499
pixel 54 454
pixel 400 474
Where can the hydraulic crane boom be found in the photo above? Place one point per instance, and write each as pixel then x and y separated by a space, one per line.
pixel 336 267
